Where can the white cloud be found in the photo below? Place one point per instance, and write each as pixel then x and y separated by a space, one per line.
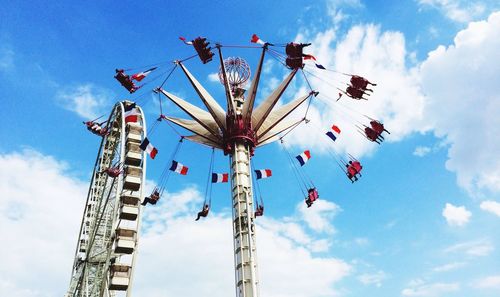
pixel 319 218
pixel 457 10
pixel 449 267
pixel 460 105
pixel 32 209
pixel 6 58
pixel 490 282
pixel 463 103
pixel 379 56
pixel 268 66
pixel 481 247
pixel 39 219
pixel 423 289
pixel 421 151
pixel 456 215
pixel 88 101
pixel 373 279
pixel 362 241
pixel 285 253
pixel 214 77
pixel 491 206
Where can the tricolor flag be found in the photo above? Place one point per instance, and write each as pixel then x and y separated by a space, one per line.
pixel 220 177
pixel 263 173
pixel 334 133
pixel 179 168
pixel 336 129
pixel 131 113
pixel 256 39
pixel 148 148
pixel 320 66
pixel 186 42
pixel 309 57
pixel 304 157
pixel 141 75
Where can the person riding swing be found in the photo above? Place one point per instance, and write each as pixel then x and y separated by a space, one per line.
pixel 153 198
pixel 259 211
pixel 125 80
pixel 312 195
pixel 114 171
pixel 361 83
pixel 372 135
pixel 203 212
pixel 353 169
pixel 378 127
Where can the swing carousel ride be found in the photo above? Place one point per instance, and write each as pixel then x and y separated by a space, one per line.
pixel 105 255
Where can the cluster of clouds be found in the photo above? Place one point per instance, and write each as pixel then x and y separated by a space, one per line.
pixel 460 215
pixel 290 249
pixel 38 222
pixel 87 100
pixel 468 251
pixel 421 288
pixel 452 93
pixel 456 215
pixel 456 10
pixel 287 248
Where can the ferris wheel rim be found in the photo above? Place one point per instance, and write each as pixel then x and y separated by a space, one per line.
pixel 114 190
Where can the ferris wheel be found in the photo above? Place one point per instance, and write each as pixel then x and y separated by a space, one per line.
pixel 108 239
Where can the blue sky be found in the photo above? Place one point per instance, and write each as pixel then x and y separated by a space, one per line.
pixel 422 221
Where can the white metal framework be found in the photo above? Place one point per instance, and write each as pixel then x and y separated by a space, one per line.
pixel 238 131
pixel 108 239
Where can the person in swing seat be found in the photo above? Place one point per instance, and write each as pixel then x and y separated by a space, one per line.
pixel 312 195
pixel 152 199
pixel 203 212
pixel 259 211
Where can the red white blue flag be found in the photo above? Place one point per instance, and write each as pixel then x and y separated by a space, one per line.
pixel 263 173
pixel 185 42
pixel 320 66
pixel 141 75
pixel 311 57
pixel 148 148
pixel 304 157
pixel 220 177
pixel 256 39
pixel 179 168
pixel 334 133
pixel 131 113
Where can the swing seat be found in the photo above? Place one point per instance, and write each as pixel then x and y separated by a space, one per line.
pixel 125 81
pixel 312 194
pixel 113 172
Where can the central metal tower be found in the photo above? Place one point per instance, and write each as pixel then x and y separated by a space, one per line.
pixel 238 131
